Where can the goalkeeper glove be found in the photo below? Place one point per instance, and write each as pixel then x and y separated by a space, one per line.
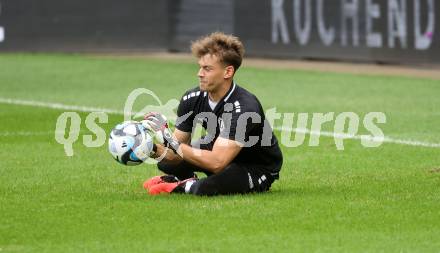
pixel 158 125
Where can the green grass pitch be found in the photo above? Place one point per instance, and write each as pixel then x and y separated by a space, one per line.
pixel 384 199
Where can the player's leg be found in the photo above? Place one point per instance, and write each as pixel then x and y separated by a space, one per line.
pixel 173 174
pixel 234 179
pixel 185 170
pixel 182 170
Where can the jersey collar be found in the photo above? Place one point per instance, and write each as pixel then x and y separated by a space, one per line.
pixel 231 90
pixel 226 97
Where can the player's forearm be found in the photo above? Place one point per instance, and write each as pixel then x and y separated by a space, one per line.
pixel 169 156
pixel 202 158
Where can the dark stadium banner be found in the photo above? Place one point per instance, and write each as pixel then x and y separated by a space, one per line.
pixel 398 31
pixel 405 31
pixel 80 25
pixel 193 18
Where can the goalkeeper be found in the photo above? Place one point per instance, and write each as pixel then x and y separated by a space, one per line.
pixel 239 153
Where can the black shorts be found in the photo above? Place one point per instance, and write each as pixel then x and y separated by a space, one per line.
pixel 234 179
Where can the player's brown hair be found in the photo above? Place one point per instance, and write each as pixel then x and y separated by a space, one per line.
pixel 227 48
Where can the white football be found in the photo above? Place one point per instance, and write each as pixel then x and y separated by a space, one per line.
pixel 130 143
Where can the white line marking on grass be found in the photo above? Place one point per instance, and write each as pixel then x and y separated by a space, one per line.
pixel 57 106
pixel 362 137
pixel 28 133
pixel 24 133
pixel 299 130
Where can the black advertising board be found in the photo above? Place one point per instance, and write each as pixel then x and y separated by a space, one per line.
pixel 396 31
pixel 65 25
pixel 404 31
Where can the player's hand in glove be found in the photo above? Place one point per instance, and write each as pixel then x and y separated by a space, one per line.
pixel 154 132
pixel 157 123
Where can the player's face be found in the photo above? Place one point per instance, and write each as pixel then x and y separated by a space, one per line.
pixel 211 73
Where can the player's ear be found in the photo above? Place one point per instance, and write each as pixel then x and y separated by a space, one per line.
pixel 229 72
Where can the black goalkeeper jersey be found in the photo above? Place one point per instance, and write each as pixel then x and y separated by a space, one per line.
pixel 237 116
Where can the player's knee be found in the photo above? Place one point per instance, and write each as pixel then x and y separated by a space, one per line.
pixel 175 170
pixel 165 168
pixel 179 170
